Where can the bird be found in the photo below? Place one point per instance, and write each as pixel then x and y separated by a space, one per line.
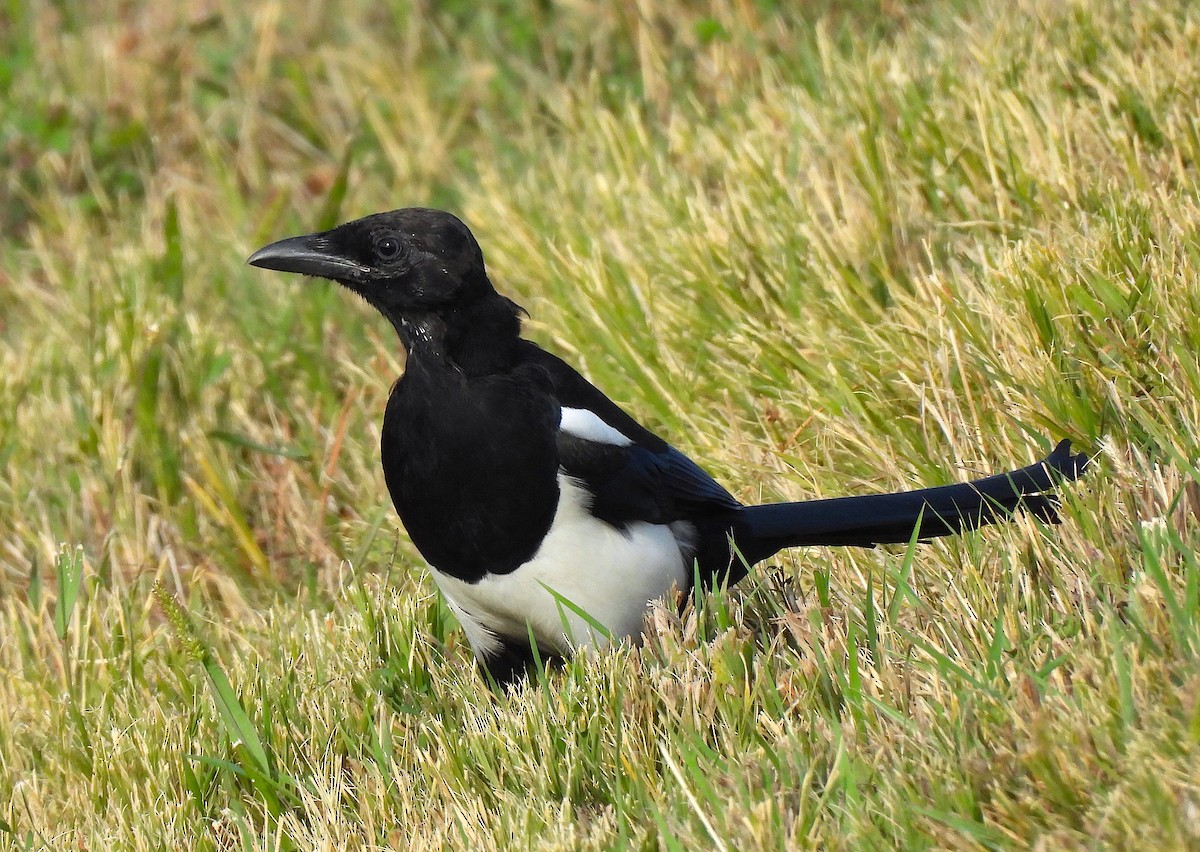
pixel 551 519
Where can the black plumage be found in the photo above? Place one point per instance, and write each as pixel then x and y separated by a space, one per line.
pixel 516 478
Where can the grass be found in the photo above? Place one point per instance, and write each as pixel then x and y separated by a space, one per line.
pixel 826 247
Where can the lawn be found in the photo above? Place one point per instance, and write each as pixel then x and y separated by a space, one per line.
pixel 828 247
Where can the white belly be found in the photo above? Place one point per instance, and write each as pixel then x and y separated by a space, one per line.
pixel 609 574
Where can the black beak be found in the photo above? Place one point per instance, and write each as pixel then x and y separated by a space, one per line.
pixel 307 255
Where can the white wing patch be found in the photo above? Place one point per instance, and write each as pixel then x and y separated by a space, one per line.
pixel 587 425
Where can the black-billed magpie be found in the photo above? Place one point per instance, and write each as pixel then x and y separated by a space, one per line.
pixel 544 509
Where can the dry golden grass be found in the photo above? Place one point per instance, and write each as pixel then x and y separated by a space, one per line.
pixel 828 248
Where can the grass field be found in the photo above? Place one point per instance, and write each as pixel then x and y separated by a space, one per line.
pixel 828 247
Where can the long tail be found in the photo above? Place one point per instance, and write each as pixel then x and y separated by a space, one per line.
pixel 891 518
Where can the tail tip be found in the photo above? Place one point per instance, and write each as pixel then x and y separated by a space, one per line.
pixel 1067 464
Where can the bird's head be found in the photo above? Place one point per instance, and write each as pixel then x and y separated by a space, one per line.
pixel 406 263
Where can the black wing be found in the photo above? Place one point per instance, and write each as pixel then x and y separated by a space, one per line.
pixel 645 480
pixel 634 483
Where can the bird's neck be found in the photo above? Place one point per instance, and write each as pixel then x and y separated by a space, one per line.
pixel 479 337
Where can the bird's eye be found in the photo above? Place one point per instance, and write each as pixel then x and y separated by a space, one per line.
pixel 387 248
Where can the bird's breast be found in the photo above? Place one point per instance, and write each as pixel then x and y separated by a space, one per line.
pixel 473 476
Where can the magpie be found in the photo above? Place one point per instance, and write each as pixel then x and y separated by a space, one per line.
pixel 546 512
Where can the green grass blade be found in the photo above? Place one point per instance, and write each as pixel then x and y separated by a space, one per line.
pixel 68 571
